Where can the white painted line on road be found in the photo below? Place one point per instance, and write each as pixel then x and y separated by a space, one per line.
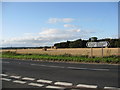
pixel 53 66
pixel 44 81
pixel 63 83
pixel 76 68
pixel 55 87
pixel 56 66
pixel 26 78
pixel 5 79
pixel 86 86
pixel 39 65
pixel 112 88
pixel 47 66
pixel 16 77
pixel 100 69
pixel 17 81
pixel 33 64
pixel 36 84
pixel 43 65
pixel 5 62
pixel 4 75
pixel 88 69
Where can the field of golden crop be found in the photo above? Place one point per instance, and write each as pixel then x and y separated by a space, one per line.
pixel 72 51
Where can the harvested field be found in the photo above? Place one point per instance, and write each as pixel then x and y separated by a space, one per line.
pixel 70 51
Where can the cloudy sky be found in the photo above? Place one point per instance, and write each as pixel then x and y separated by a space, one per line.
pixel 46 23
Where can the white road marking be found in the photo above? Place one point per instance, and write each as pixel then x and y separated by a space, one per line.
pixel 55 87
pixel 76 68
pixel 17 81
pixel 33 64
pixel 63 83
pixel 47 66
pixel 3 74
pixel 112 88
pixel 26 78
pixel 88 69
pixel 53 66
pixel 5 62
pixel 44 81
pixel 36 84
pixel 5 79
pixel 86 86
pixel 100 69
pixel 16 77
pixel 43 65
pixel 56 66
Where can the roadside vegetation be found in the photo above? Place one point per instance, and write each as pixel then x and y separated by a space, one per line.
pixel 97 52
pixel 65 58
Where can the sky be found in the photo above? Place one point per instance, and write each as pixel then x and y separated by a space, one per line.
pixel 46 23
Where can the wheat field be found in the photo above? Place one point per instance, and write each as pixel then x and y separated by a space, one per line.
pixel 72 51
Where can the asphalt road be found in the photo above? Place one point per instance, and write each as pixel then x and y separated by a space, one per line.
pixel 58 75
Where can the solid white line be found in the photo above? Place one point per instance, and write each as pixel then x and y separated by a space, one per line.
pixel 47 66
pixel 55 87
pixel 86 86
pixel 43 65
pixel 52 66
pixel 16 77
pixel 100 69
pixel 56 66
pixel 33 64
pixel 17 81
pixel 36 84
pixel 113 88
pixel 5 62
pixel 38 65
pixel 44 81
pixel 3 74
pixel 5 79
pixel 26 78
pixel 76 68
pixel 88 69
pixel 63 83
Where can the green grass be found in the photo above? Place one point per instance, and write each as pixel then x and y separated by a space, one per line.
pixel 65 57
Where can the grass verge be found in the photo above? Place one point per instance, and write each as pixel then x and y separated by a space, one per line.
pixel 65 57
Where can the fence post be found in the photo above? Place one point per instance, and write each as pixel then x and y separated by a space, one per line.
pixel 102 51
pixel 91 52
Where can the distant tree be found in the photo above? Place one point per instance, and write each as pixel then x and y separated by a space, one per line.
pixel 82 43
pixel 117 43
pixel 62 45
pixel 93 39
pixel 76 44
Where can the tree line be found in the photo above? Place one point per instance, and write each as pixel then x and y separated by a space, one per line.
pixel 79 43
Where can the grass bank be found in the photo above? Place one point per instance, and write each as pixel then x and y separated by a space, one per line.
pixel 65 57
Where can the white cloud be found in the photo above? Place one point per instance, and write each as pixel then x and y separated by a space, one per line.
pixel 67 20
pixel 49 36
pixel 49 31
pixel 69 26
pixel 76 30
pixel 53 20
pixel 57 20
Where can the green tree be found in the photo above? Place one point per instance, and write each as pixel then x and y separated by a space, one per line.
pixel 93 39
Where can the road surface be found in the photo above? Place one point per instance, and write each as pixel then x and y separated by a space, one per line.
pixel 58 75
